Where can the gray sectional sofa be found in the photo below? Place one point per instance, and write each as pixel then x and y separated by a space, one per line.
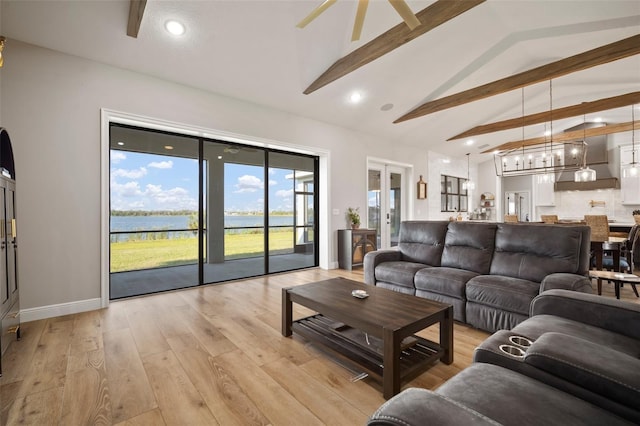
pixel 489 272
pixel 581 365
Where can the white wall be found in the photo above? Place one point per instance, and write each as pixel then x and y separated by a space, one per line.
pixel 51 105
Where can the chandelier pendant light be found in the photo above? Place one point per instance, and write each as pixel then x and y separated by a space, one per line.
pixel 631 169
pixel 469 185
pixel 585 173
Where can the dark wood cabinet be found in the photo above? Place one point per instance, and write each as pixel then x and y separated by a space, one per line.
pixel 353 244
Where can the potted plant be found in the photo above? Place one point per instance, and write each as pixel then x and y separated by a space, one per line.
pixel 636 216
pixel 353 216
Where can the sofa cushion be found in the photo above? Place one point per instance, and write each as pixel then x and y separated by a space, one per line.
pixel 399 273
pixel 511 398
pixel 533 252
pixel 422 241
pixel 510 294
pixel 537 325
pixel 469 246
pixel 443 280
pixel 602 370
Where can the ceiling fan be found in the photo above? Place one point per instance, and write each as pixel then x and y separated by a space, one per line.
pixel 399 5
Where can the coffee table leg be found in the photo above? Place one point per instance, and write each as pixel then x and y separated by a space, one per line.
pixel 391 364
pixel 287 313
pixel 446 336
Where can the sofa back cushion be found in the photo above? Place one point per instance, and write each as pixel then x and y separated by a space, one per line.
pixel 469 246
pixel 422 241
pixel 533 251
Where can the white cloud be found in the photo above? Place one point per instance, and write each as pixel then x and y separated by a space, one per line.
pixel 248 183
pixel 129 189
pixel 284 193
pixel 129 174
pixel 161 164
pixel 272 182
pixel 130 196
pixel 117 156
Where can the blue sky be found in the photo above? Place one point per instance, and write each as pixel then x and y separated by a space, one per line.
pixel 159 182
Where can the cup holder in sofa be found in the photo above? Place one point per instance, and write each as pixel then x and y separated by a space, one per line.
pixel 512 350
pixel 520 341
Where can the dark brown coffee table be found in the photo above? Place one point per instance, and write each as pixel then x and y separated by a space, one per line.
pixel 376 332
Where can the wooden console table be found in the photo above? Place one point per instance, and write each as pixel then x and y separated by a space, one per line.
pixel 353 244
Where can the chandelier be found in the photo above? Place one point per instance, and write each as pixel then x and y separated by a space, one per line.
pixel 631 169
pixel 545 159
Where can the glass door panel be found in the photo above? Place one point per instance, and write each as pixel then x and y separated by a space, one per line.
pixel 292 213
pixel 395 207
pixel 374 207
pixel 153 203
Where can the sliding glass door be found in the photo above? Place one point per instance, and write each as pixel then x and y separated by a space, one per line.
pixel 187 211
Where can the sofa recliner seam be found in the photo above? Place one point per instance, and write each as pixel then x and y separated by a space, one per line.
pixel 582 368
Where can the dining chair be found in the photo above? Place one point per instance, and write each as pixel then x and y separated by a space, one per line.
pixel 511 218
pixel 599 225
pixel 549 218
pixel 600 234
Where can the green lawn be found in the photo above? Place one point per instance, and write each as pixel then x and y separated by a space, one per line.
pixel 146 254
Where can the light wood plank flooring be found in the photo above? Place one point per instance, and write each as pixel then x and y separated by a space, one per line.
pixel 203 356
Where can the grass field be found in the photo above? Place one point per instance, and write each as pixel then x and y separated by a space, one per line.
pixel 147 254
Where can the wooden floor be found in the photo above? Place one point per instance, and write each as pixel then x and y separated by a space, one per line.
pixel 204 356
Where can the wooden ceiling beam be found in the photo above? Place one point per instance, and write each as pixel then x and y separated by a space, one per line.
pixel 591 58
pixel 568 136
pixel 136 11
pixel 556 114
pixel 436 14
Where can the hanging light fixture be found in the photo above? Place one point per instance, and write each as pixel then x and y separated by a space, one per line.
pixel 584 173
pixel 469 185
pixel 631 169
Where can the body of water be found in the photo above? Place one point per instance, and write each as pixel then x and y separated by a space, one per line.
pixel 168 222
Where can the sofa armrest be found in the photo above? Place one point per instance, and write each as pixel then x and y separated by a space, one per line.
pixel 415 406
pixel 373 259
pixel 614 375
pixel 564 281
pixel 611 314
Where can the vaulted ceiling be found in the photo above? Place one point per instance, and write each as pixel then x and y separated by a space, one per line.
pixel 252 50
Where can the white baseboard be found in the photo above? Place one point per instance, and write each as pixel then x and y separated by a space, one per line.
pixel 51 311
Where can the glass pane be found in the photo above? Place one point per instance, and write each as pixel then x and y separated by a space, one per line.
pixel 443 203
pixel 291 212
pixel 395 206
pixel 373 203
pixel 154 211
pixel 463 203
pixel 462 190
pixel 443 184
pixel 235 212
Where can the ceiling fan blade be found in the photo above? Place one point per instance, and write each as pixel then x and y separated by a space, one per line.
pixel 357 25
pixel 405 12
pixel 315 13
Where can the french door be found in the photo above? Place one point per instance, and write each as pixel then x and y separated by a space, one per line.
pixel 386 201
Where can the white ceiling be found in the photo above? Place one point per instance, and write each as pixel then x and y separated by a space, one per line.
pixel 251 50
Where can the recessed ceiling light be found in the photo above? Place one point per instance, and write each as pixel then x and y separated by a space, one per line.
pixel 121 143
pixel 219 157
pixel 168 147
pixel 598 120
pixel 547 132
pixel 446 160
pixel 174 27
pixel 469 142
pixel 355 97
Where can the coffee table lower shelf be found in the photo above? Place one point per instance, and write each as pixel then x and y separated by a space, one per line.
pixel 366 350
